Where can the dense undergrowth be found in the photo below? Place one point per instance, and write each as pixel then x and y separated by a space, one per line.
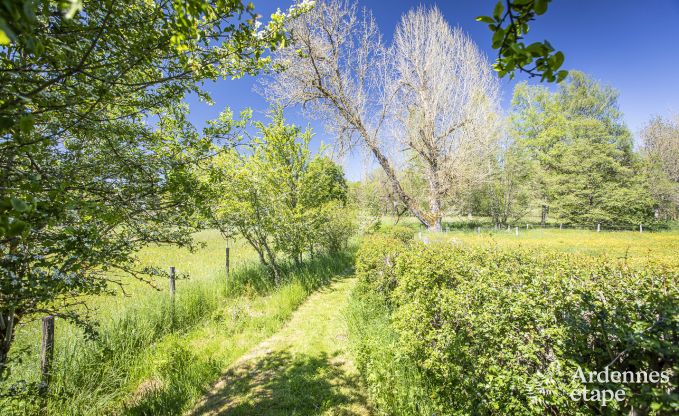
pixel 147 359
pixel 453 329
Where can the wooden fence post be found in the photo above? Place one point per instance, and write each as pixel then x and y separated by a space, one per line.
pixel 517 231
pixel 227 259
pixel 46 355
pixel 172 285
pixel 478 230
pixel 641 228
pixel 561 226
pixel 172 291
pixel 598 228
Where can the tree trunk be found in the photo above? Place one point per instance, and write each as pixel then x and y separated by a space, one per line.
pixel 435 226
pixel 391 177
pixel 434 200
pixel 543 216
pixel 8 321
pixel 272 263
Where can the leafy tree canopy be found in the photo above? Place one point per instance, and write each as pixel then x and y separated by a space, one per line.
pixel 586 166
pixel 275 194
pixel 95 148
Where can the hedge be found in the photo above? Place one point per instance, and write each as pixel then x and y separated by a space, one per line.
pixel 505 331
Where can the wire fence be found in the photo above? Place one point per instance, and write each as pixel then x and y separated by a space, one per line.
pixel 485 226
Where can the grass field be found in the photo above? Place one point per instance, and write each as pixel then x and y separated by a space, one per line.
pixel 148 360
pixel 662 246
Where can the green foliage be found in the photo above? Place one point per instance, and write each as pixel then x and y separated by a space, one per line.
pixel 585 167
pixel 402 233
pixel 395 386
pixel 375 262
pixel 277 196
pixel 95 148
pixel 509 26
pixel 504 331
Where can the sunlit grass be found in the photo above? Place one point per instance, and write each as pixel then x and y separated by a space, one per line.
pixel 147 358
pixel 634 246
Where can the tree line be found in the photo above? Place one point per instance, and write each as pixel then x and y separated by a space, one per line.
pixel 426 109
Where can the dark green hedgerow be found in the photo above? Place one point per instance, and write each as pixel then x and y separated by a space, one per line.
pixel 485 331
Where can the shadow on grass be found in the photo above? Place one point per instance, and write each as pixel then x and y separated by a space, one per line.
pixel 281 383
pixel 184 372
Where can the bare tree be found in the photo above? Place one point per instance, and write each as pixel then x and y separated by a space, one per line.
pixel 431 95
pixel 447 103
pixel 661 147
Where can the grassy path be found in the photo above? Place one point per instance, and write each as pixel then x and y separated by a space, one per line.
pixel 302 370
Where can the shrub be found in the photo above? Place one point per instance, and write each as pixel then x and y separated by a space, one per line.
pixel 338 225
pixel 375 263
pixel 504 331
pixel 402 233
pixel 369 223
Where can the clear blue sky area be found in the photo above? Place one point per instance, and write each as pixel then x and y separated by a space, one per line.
pixel 630 45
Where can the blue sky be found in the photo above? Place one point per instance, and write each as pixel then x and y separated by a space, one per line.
pixel 630 45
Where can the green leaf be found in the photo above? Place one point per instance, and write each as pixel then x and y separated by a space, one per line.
pixel 561 75
pixel 16 227
pixel 19 205
pixel 536 48
pixel 498 37
pixel 558 59
pixel 485 19
pixel 6 34
pixel 540 6
pixel 497 12
pixel 4 39
pixel 26 123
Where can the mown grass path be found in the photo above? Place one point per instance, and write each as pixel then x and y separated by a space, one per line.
pixel 304 369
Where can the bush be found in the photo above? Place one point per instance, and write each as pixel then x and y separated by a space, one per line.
pixel 368 222
pixel 375 262
pixel 402 233
pixel 505 331
pixel 338 225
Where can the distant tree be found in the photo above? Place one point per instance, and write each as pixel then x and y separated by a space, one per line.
pixel 586 167
pixel 511 189
pixel 598 181
pixel 509 24
pixel 661 148
pixel 432 94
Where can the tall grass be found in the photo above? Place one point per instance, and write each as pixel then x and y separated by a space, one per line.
pixel 151 358
pixel 394 384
